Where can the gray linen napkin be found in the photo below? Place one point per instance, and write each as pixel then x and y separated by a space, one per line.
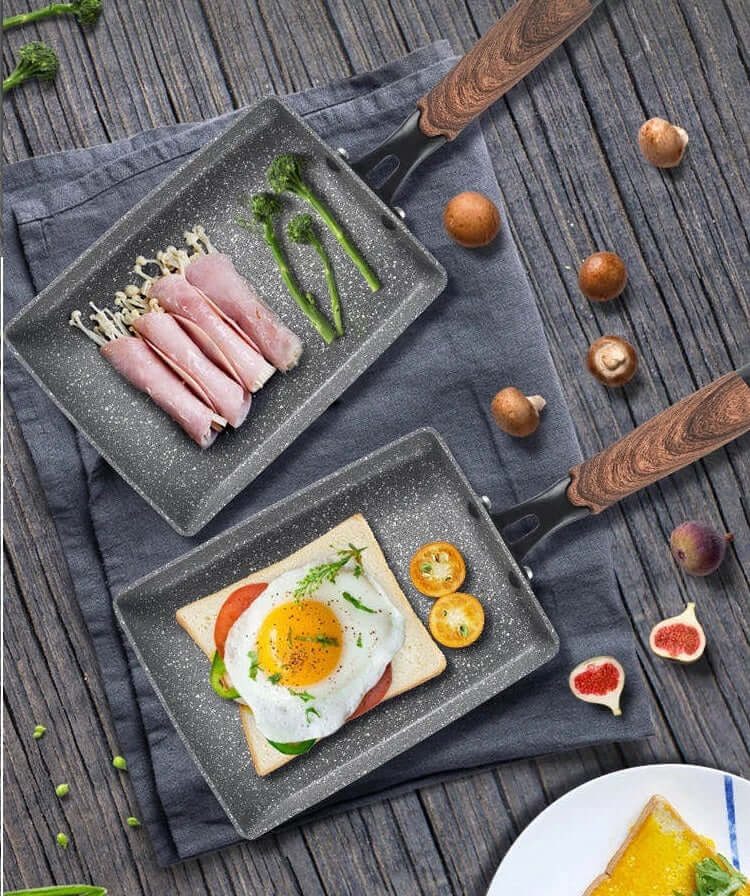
pixel 483 332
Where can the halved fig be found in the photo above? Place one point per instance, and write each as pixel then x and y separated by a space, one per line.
pixel 679 638
pixel 599 680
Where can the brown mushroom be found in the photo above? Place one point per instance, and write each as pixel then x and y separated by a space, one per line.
pixel 602 276
pixel 662 143
pixel 612 360
pixel 471 219
pixel 516 413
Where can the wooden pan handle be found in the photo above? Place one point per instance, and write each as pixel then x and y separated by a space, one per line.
pixel 523 37
pixel 692 428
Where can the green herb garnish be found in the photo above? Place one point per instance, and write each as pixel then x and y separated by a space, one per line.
pixel 266 207
pixel 293 749
pixel 311 711
pixel 319 639
pixel 359 639
pixel 713 880
pixel 253 657
pixel 327 572
pixel 356 603
pixel 285 176
pixel 218 671
pixel 303 695
pixel 275 678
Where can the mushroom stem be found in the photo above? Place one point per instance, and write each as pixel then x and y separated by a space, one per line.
pixel 538 402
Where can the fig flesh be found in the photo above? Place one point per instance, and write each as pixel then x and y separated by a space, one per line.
pixel 679 638
pixel 697 548
pixel 599 680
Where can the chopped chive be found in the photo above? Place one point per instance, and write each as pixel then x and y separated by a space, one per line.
pixel 62 840
pixel 120 763
pixel 311 711
pixel 275 678
pixel 133 822
pixel 253 656
pixel 355 602
pixel 62 790
pixel 359 639
pixel 303 695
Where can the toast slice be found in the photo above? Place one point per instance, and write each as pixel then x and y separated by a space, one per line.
pixel 418 660
pixel 657 857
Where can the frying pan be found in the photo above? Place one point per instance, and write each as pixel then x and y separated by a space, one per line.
pixel 411 491
pixel 193 486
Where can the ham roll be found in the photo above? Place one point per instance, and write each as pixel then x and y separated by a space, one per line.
pixel 214 275
pixel 209 382
pixel 216 338
pixel 141 367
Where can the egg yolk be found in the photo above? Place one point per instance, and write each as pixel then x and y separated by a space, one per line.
pixel 300 641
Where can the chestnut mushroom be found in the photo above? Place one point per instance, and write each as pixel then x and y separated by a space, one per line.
pixel 516 413
pixel 662 143
pixel 602 276
pixel 612 360
pixel 471 219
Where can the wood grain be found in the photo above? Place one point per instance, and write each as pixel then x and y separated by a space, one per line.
pixel 680 435
pixel 523 37
pixel 563 145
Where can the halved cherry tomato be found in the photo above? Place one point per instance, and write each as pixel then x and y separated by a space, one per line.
pixel 437 569
pixel 375 694
pixel 231 610
pixel 456 620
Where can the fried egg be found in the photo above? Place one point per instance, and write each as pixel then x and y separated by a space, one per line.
pixel 304 664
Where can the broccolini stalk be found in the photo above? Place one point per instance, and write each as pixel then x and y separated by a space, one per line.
pixel 265 207
pixel 35 60
pixel 300 230
pixel 86 11
pixel 285 175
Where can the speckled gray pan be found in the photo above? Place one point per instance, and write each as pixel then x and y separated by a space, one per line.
pixel 411 492
pixel 188 486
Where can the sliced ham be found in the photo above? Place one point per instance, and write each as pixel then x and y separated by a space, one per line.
pixel 214 275
pixel 214 336
pixel 209 382
pixel 140 366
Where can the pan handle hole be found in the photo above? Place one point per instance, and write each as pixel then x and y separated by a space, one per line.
pixel 332 164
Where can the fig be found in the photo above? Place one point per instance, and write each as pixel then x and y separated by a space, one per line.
pixel 599 680
pixel 698 548
pixel 679 637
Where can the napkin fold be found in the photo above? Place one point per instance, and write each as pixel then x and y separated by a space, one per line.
pixel 482 333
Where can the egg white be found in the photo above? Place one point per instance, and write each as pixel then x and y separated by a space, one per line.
pixel 280 715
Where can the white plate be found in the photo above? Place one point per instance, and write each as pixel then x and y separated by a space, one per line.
pixel 599 814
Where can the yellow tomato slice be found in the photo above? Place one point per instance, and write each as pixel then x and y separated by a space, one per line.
pixel 437 569
pixel 456 620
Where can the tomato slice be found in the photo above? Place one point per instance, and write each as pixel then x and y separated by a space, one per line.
pixel 437 568
pixel 231 610
pixel 375 694
pixel 456 620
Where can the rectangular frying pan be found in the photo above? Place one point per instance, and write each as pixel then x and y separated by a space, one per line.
pixel 191 486
pixel 411 492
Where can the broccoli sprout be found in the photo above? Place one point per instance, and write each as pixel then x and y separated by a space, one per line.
pixel 300 230
pixel 285 175
pixel 265 207
pixel 35 60
pixel 86 11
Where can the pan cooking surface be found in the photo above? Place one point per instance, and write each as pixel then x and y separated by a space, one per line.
pixel 188 486
pixel 410 492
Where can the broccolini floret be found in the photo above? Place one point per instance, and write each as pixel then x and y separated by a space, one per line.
pixel 35 60
pixel 300 230
pixel 265 207
pixel 86 11
pixel 285 174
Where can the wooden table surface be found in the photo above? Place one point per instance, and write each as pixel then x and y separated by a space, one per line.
pixel 563 143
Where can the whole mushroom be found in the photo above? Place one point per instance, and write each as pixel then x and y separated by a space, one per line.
pixel 471 219
pixel 516 413
pixel 602 276
pixel 612 360
pixel 662 143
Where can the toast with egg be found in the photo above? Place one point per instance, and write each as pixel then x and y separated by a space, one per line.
pixel 657 857
pixel 418 660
